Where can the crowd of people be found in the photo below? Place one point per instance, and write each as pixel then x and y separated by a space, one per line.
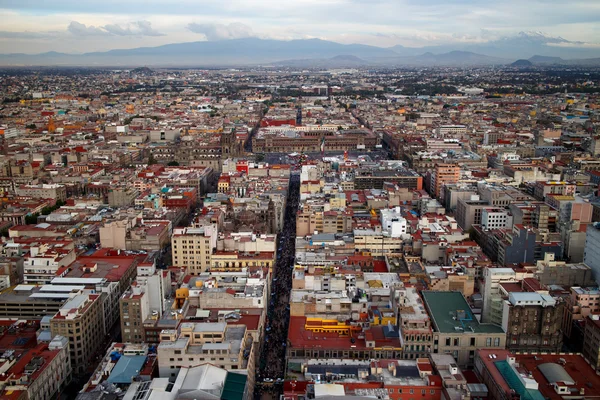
pixel 271 371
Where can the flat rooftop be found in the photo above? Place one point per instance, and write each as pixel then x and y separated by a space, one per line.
pixel 451 313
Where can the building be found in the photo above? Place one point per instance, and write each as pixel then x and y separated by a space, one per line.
pixel 591 341
pixel 41 372
pixel 591 256
pixel 533 322
pixel 469 211
pixel 495 218
pixel 581 303
pixel 228 346
pixel 81 321
pixel 444 174
pixel 122 196
pixel 413 322
pixel 456 331
pixel 134 307
pixel 552 376
pixel 43 191
pixel 492 293
pixel 192 247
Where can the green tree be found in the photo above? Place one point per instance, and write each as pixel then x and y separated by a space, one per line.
pixel 151 159
pixel 31 219
pixel 173 164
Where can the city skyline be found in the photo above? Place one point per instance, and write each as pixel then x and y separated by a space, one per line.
pixel 76 27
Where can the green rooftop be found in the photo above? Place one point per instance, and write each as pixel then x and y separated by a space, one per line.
pixel 451 313
pixel 515 383
pixel 234 386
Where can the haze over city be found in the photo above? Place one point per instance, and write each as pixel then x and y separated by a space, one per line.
pixel 84 26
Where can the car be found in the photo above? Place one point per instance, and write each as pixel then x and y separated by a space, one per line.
pixel 268 380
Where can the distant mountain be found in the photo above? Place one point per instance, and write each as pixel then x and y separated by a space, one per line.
pixel 523 45
pixel 250 51
pixel 254 51
pixel 522 63
pixel 537 59
pixel 340 61
pixel 458 58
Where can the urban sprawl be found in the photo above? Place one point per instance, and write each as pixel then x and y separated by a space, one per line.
pixel 401 234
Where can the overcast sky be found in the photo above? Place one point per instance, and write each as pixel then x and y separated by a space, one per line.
pixel 33 26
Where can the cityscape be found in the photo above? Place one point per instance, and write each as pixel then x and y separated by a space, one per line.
pixel 246 216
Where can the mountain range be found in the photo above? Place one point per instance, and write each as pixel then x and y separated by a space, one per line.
pixel 538 48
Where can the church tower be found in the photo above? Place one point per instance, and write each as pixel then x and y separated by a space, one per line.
pixel 228 144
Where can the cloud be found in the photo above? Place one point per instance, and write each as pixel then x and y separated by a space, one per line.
pixel 580 45
pixel 136 28
pixel 145 28
pixel 79 29
pixel 235 30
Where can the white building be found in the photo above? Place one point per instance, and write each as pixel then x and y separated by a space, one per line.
pixel 393 222
pixel 496 218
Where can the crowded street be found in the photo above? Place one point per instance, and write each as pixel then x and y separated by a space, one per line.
pixel 271 371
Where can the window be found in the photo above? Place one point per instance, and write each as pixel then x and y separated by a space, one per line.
pixel 496 342
pixel 391 390
pixel 412 391
pixel 472 341
pixel 447 341
pixel 488 342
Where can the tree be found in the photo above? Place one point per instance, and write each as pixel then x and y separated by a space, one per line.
pixel 31 219
pixel 151 159
pixel 260 158
pixel 31 126
pixel 173 164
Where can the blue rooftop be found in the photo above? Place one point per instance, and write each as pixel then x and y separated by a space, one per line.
pixel 127 367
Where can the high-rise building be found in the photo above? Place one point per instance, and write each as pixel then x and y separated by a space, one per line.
pixel 444 173
pixel 533 322
pixel 591 255
pixel 80 320
pixel 192 247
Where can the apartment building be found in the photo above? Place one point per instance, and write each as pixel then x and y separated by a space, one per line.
pixel 591 255
pixel 533 322
pixel 470 211
pixel 43 261
pixel 444 174
pixel 492 292
pixel 228 346
pixel 456 331
pixel 43 191
pixel 122 196
pixel 581 303
pixel 591 341
pixel 41 372
pixel 413 322
pixel 192 247
pixel 134 307
pixel 81 321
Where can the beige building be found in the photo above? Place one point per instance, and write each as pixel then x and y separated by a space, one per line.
pixel 192 247
pixel 122 197
pixel 43 191
pixel 308 222
pixel 81 321
pixel 228 346
pixel 456 331
pixel 134 234
pixel 134 308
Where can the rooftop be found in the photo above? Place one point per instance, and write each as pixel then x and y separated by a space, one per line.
pixel 451 314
